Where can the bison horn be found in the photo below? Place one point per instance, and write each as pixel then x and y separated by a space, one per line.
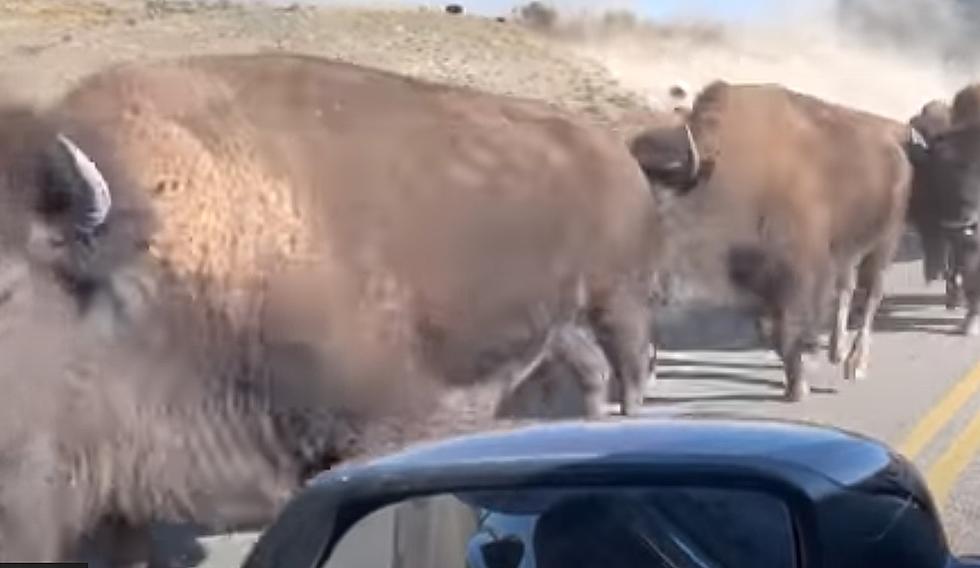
pixel 916 138
pixel 695 155
pixel 95 200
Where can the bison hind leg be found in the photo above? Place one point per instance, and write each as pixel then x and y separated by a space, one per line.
pixel 578 349
pixel 954 291
pixel 569 382
pixel 623 328
pixel 871 281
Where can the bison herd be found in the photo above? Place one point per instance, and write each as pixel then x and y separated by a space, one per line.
pixel 222 274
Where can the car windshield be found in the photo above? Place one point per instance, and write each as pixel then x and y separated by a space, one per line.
pixel 600 528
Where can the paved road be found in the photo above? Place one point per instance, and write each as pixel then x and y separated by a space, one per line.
pixel 921 396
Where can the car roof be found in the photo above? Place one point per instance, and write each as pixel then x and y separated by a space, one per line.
pixel 840 456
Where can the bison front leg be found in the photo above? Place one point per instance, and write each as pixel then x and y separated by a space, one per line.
pixel 577 348
pixel 844 296
pixel 790 346
pixel 954 290
pixel 971 291
pixel 623 330
pixel 956 252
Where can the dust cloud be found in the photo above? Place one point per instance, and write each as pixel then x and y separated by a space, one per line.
pixel 885 57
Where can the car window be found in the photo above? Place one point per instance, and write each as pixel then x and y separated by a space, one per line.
pixel 602 528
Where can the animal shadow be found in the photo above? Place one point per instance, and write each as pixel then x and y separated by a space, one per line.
pixel 900 301
pixel 909 248
pixel 177 546
pixel 898 324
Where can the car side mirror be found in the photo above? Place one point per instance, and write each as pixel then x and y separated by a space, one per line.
pixel 680 492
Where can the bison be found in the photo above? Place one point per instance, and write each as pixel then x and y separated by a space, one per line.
pixel 803 196
pixel 946 198
pixel 219 274
pixel 926 207
pixel 432 235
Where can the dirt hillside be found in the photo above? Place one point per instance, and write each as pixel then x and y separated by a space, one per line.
pixel 45 44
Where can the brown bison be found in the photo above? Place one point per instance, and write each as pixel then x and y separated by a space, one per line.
pixel 219 274
pixel 449 229
pixel 804 196
pixel 945 206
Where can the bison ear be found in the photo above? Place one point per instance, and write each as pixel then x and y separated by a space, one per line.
pixel 669 157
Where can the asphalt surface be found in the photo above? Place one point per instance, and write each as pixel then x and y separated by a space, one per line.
pixel 922 395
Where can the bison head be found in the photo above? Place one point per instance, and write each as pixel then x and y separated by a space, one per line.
pixel 966 105
pixel 669 157
pixel 934 117
pixel 945 202
pixel 932 120
pixel 57 216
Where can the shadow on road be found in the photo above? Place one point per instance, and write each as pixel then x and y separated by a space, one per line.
pixel 721 377
pixel 895 301
pixel 895 316
pixel 666 361
pixel 740 397
pixel 905 324
pixel 174 546
pixel 177 546
pixel 706 327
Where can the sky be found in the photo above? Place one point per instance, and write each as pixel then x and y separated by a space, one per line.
pixel 723 9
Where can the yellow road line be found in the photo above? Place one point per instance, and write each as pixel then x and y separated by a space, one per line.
pixel 947 469
pixel 940 414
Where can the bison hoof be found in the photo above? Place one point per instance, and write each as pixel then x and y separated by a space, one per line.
pixel 797 391
pixel 971 326
pixel 632 406
pixel 854 371
pixel 954 298
pixel 835 355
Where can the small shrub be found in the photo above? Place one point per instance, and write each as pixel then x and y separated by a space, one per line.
pixel 538 15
